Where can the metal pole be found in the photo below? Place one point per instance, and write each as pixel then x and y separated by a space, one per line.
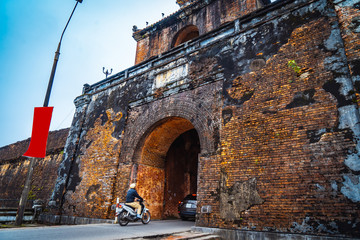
pixel 25 192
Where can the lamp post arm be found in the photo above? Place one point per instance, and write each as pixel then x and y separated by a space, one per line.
pixel 68 22
pixel 56 58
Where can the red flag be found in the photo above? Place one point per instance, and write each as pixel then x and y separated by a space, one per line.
pixel 40 132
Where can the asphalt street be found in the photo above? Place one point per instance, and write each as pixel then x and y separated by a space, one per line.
pixel 97 231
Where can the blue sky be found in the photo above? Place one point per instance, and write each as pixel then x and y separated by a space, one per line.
pixel 99 35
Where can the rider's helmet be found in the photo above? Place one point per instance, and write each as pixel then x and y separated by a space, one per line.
pixel 133 185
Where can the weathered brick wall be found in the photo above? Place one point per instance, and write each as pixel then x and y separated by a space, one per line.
pixel 13 174
pixel 92 164
pixel 349 18
pixel 158 38
pixel 271 96
pixel 288 152
pixel 14 167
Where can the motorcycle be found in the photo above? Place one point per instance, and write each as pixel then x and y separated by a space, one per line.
pixel 126 214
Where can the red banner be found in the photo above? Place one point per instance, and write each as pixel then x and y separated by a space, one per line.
pixel 40 132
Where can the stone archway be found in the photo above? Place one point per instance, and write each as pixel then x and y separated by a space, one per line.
pixel 156 177
pixel 151 129
pixel 143 120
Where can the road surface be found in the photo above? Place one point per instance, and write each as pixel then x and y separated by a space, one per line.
pixel 104 231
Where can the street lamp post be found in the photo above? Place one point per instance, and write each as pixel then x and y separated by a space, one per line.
pixel 25 192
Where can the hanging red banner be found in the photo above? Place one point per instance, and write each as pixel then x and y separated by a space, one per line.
pixel 40 132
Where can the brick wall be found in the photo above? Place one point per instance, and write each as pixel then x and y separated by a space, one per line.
pixel 349 14
pixel 14 167
pixel 283 145
pixel 271 96
pixel 97 170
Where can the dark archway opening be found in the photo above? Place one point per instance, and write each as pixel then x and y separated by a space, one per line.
pixel 181 167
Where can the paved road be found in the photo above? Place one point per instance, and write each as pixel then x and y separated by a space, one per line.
pixel 104 231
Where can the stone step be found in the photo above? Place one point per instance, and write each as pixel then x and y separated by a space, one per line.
pixel 181 236
pixel 210 237
pixel 192 235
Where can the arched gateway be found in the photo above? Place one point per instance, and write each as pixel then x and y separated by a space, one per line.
pixel 164 152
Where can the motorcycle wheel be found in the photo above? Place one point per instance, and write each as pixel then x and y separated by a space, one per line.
pixel 123 221
pixel 145 217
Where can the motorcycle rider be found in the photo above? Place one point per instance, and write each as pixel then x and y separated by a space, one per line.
pixel 130 199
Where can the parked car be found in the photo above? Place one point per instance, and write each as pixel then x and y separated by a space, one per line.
pixel 187 207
